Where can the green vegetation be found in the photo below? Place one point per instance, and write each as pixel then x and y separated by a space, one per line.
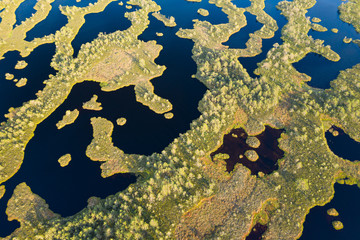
pixel 203 12
pixel 68 118
pixel 92 104
pixel 12 39
pixel 181 193
pixel 22 82
pixel 357 41
pixel 337 225
pixel 347 40
pixel 169 22
pixel 145 94
pixel 333 132
pixel 316 20
pixel 64 160
pixel 22 121
pixel 318 27
pixel 221 156
pixel 9 76
pixel 332 212
pixel 102 149
pixel 121 121
pixel 349 12
pixel 28 208
pixel 169 115
pixel 251 155
pixel 21 64
pixel 253 142
pixel 2 191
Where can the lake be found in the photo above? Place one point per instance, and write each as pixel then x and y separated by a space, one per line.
pixel 318 224
pixel 321 70
pixel 67 189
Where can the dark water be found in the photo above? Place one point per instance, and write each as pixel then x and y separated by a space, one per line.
pixel 343 145
pixel 257 232
pixel 234 144
pixel 24 11
pixel 250 63
pixel 318 225
pixel 112 19
pixel 239 39
pixel 66 190
pixel 321 70
pixel 55 19
pixel 184 12
pixel 241 3
pixel 37 70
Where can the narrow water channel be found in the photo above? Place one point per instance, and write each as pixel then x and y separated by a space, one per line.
pixel 67 189
pixel 321 70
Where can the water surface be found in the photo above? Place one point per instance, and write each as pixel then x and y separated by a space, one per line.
pixel 241 3
pixel 250 63
pixel 343 145
pixel 67 189
pixel 239 39
pixel 234 144
pixel 24 11
pixel 37 70
pixel 321 70
pixel 318 224
pixel 184 12
pixel 112 19
pixel 55 20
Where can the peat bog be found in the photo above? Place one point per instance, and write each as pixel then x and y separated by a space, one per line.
pixel 234 144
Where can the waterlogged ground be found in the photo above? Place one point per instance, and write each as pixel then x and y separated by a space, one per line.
pixel 211 126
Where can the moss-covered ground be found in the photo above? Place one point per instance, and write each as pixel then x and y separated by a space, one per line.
pixel 181 193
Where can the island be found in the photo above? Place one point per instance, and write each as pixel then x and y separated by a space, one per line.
pixel 2 191
pixel 251 165
pixel 169 22
pixel 68 118
pixel 9 76
pixel 92 104
pixel 64 160
pixel 203 12
pixel 121 121
pixel 21 64
pixel 22 82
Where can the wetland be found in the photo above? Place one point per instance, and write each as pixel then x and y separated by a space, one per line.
pixel 139 119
